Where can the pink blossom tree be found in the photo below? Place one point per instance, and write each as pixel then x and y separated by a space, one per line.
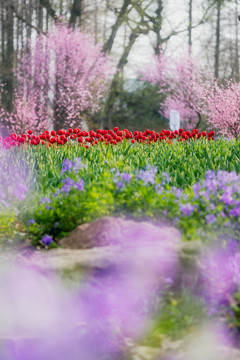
pixel 182 81
pixel 60 77
pixel 223 108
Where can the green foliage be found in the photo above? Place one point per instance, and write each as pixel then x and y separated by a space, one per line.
pixel 185 163
pixel 132 105
pixel 8 222
pixel 179 314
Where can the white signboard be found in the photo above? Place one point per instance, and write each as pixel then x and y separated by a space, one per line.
pixel 174 120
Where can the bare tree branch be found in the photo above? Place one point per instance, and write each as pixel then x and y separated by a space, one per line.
pixel 20 17
pixel 200 22
pixel 120 18
pixel 47 5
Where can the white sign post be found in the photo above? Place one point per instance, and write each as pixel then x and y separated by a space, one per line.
pixel 174 120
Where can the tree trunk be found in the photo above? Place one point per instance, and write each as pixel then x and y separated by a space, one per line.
pixel 236 43
pixel 40 17
pixel 29 19
pixel 95 21
pixel 199 120
pixel 7 73
pixel 217 45
pixel 76 12
pixel 190 24
pixel 2 33
pixel 116 82
pixel 157 25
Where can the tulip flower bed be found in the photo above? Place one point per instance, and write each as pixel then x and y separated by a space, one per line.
pixel 113 137
pixel 192 183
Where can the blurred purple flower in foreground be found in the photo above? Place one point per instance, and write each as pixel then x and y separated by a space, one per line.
pixel 14 180
pixel 43 320
pixel 221 275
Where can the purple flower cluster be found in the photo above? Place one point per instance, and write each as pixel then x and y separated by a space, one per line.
pixel 45 200
pixel 72 166
pixel 216 198
pixel 47 240
pixel 148 176
pixel 66 166
pixel 69 183
pixel 121 179
pixel 186 209
pixel 220 190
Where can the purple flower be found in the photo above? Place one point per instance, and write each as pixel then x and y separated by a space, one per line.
pixel 14 180
pixel 46 240
pixel 119 184
pixel 45 200
pixel 169 281
pixel 147 176
pixel 210 219
pixel 227 197
pixel 166 178
pixel 178 193
pixel 68 183
pixel 120 179
pixel 79 185
pixel 221 273
pixel 204 195
pixel 66 166
pixel 235 211
pixel 58 191
pixel 159 189
pixel 175 220
pixel 20 191
pixel 211 185
pixel 126 177
pixel 196 189
pixel 232 247
pixel 210 174
pixel 77 165
pixel 31 221
pixel 48 207
pixel 186 209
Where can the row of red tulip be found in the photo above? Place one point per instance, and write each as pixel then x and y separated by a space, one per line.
pixel 113 137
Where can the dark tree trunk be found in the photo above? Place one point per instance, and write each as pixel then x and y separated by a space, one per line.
pixel 190 24
pixel 7 64
pixel 236 43
pixel 76 12
pixel 199 120
pixel 217 45
pixel 157 25
pixel 50 10
pixel 116 82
